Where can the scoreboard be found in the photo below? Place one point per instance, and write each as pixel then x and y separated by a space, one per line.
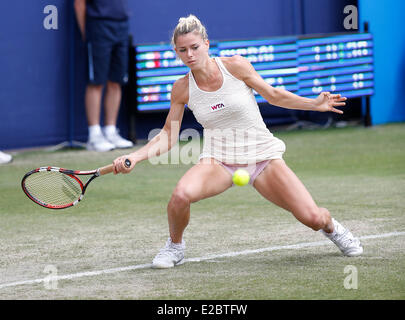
pixel 304 65
pixel 341 64
pixel 274 59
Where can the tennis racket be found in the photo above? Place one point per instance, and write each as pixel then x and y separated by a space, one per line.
pixel 58 188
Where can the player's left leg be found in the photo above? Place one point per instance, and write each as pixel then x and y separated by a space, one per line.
pixel 279 184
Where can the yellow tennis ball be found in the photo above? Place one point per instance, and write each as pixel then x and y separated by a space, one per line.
pixel 240 177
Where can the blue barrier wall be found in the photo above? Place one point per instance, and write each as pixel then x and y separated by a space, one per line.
pixel 386 23
pixel 33 74
pixel 42 70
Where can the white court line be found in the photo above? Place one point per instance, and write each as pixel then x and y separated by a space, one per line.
pixel 209 257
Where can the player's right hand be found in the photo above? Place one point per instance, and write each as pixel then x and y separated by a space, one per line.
pixel 120 164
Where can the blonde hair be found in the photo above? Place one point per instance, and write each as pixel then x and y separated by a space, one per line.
pixel 187 25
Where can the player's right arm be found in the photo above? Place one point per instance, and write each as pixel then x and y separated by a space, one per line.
pixel 168 135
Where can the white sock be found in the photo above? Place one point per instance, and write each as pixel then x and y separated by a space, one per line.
pixel 332 234
pixel 110 129
pixel 94 130
pixel 180 245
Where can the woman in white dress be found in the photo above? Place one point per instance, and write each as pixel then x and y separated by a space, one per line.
pixel 219 93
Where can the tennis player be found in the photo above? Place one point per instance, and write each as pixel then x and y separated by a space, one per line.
pixel 219 93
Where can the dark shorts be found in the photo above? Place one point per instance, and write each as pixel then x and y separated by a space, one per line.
pixel 107 44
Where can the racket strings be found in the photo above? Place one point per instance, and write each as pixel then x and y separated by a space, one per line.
pixel 53 188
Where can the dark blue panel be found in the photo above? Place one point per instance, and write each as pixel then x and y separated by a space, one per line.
pixel 34 69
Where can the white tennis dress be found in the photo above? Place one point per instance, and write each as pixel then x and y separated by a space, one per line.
pixel 234 130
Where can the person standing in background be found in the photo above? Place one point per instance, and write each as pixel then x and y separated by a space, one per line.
pixel 104 27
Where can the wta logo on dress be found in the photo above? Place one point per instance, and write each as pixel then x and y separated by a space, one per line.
pixel 217 107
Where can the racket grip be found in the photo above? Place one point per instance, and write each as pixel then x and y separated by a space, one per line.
pixel 110 168
pixel 105 170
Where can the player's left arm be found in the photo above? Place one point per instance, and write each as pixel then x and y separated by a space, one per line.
pixel 242 69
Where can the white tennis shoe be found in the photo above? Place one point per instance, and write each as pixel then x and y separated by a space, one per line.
pixel 344 240
pixel 114 138
pixel 98 143
pixel 5 157
pixel 169 256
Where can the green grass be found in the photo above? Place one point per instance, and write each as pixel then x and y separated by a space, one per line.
pixel 357 173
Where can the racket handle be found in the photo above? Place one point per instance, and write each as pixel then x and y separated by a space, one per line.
pixel 110 168
pixel 107 169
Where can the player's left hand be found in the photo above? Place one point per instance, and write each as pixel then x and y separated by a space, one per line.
pixel 327 102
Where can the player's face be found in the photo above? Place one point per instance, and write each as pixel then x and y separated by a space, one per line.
pixel 192 49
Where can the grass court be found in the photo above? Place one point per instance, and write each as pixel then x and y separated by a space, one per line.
pixel 239 246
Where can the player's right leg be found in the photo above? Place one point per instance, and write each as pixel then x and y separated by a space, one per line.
pixel 206 179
